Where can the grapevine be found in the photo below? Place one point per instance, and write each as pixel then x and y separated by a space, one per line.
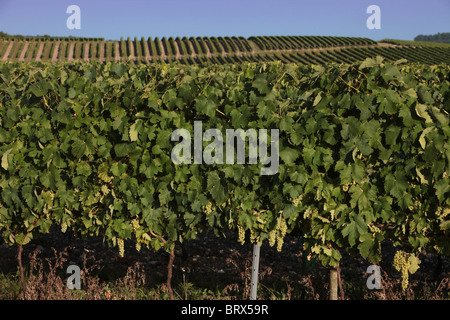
pixel 91 154
pixel 406 264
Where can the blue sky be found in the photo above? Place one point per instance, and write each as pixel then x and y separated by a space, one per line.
pixel 400 19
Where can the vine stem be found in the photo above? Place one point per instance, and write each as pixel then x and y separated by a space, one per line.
pixel 341 289
pixel 169 272
pixel 333 284
pixel 22 277
pixel 348 84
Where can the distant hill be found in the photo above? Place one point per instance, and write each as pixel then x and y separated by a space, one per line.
pixel 439 37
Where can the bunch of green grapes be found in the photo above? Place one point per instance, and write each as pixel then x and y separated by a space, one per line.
pixel 401 264
pixel 138 246
pixel 442 213
pixel 241 234
pixel 417 204
pixel 208 208
pixel 253 236
pixel 297 201
pixel 406 264
pixel 277 235
pixel 272 237
pixel 135 224
pixel 373 228
pixel 121 245
pixel 282 229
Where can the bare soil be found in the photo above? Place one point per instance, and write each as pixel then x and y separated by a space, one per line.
pixel 86 51
pixel 117 52
pixel 24 51
pixel 8 50
pixel 102 52
pixel 71 49
pixel 56 51
pixel 39 52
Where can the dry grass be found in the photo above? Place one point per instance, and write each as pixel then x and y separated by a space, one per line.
pixel 46 279
pixel 391 290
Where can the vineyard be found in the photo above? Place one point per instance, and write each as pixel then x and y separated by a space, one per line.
pixel 364 150
pixel 220 50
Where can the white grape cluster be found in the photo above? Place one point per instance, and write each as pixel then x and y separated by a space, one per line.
pixel 272 237
pixel 309 213
pixel 373 228
pixel 121 245
pixel 241 234
pixel 277 235
pixel 254 238
pixel 135 225
pixel 63 227
pixel 401 264
pixel 442 213
pixel 282 229
pixel 298 200
pixel 208 208
pixel 417 204
pixel 405 263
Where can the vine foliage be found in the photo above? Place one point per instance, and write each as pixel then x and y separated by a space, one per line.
pixel 364 154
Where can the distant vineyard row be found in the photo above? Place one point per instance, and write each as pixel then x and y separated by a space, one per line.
pixel 416 43
pixel 67 48
pixel 218 50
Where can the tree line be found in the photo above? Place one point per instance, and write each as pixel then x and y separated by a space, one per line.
pixel 439 37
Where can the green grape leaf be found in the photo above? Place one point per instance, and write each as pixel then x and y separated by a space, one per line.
pixel 353 230
pixel 215 187
pixel 78 148
pixel 40 88
pixel 421 111
pixel 5 164
pixel 289 155
pixel 133 132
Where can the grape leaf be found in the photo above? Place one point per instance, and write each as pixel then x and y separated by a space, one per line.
pixel 215 187
pixel 133 132
pixel 5 158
